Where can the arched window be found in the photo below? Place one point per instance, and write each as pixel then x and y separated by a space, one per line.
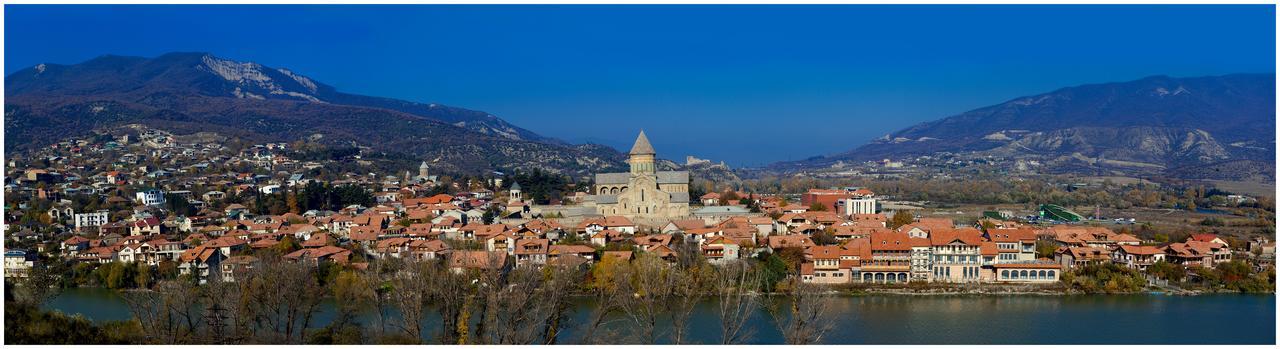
pixel 1025 274
pixel 1051 272
pixel 1044 274
pixel 1004 274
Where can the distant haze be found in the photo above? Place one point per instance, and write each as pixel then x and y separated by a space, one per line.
pixel 748 85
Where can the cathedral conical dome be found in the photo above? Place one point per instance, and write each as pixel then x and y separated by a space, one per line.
pixel 642 145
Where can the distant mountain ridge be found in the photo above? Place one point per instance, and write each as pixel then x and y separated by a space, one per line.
pixel 188 92
pixel 207 74
pixel 1153 123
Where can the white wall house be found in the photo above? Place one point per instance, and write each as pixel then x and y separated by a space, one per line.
pixel 859 206
pixel 151 197
pixel 92 219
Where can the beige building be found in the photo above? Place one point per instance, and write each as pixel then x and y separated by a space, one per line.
pixel 644 192
pixel 1028 272
pixel 956 255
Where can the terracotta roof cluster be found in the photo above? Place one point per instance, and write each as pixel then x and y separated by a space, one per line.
pixel 785 241
pixel 333 253
pixel 967 236
pixel 890 241
pixel 607 222
pixel 477 259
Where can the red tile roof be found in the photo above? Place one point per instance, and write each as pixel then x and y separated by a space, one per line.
pixel 971 237
pixel 890 241
pixel 1141 250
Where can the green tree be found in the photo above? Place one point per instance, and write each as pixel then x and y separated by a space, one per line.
pixel 773 272
pixel 356 294
pixel 901 218
pixel 28 324
pixel 286 245
pixel 1045 249
pixel 1105 278
pixel 824 237
pixel 1167 271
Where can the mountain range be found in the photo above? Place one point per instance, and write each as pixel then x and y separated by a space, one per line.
pixel 1214 127
pixel 189 92
pixel 1156 125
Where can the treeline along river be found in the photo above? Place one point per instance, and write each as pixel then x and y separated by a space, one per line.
pixel 892 319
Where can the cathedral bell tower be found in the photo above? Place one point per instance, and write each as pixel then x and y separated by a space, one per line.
pixel 642 157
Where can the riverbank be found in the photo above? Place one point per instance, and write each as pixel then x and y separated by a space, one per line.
pixel 892 317
pixel 919 289
pixel 950 289
pixel 1056 289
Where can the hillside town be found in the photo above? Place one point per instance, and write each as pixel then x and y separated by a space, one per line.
pixel 171 206
pixel 424 173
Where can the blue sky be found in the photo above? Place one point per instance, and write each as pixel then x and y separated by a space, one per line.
pixel 745 84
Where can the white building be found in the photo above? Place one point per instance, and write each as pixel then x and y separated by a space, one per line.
pixel 151 197
pixel 214 195
pixel 270 189
pixel 93 219
pixel 17 263
pixel 859 206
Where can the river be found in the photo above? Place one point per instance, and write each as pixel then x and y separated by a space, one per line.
pixel 890 319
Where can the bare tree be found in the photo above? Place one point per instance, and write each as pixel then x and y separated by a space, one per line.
pixel 38 287
pixel 515 308
pixel 168 314
pixel 147 306
pixel 353 293
pixel 688 288
pixel 530 305
pixel 608 293
pixel 227 315
pixel 736 286
pixel 647 283
pixel 450 294
pixel 557 295
pixel 285 297
pixel 380 286
pixel 411 290
pixel 491 294
pixel 807 317
pixel 688 252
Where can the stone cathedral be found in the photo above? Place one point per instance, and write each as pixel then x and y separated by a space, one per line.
pixel 644 192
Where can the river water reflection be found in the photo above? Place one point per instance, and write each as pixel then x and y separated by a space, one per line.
pixel 1013 319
